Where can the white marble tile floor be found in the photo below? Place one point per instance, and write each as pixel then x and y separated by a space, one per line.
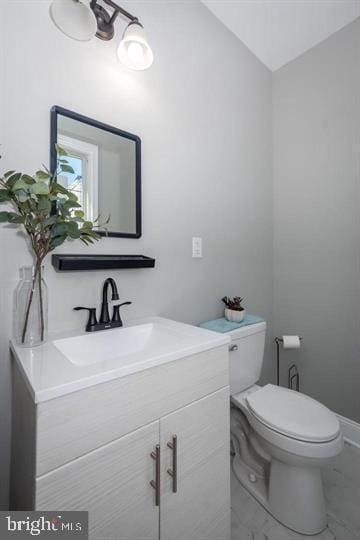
pixel 342 491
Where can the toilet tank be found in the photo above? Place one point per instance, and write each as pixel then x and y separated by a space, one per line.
pixel 246 356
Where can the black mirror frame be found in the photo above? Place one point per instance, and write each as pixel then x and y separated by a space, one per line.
pixel 54 112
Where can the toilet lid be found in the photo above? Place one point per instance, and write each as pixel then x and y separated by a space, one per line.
pixel 293 414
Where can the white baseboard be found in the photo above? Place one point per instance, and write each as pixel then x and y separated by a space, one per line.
pixel 351 430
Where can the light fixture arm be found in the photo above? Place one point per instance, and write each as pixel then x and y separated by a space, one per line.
pixel 117 9
pixel 105 20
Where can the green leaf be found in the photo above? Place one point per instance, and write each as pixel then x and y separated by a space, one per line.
pixel 51 220
pixel 72 196
pixel 79 213
pixel 39 188
pixel 10 217
pixel 89 236
pixel 22 195
pixel 26 205
pixel 44 205
pixel 60 151
pixel 4 196
pixel 42 175
pixel 69 205
pixel 59 229
pixel 15 218
pixel 11 180
pixel 66 168
pixel 73 229
pixel 87 225
pixel 86 240
pixel 28 179
pixel 20 184
pixel 9 173
pixel 57 241
pixel 58 188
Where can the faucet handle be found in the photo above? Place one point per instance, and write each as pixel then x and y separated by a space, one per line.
pixel 116 313
pixel 92 315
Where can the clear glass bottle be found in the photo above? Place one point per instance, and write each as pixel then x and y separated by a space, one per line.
pixel 30 308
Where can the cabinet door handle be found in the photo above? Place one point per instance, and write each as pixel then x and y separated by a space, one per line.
pixel 173 472
pixel 156 483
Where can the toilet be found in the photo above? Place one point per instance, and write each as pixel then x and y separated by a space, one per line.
pixel 280 438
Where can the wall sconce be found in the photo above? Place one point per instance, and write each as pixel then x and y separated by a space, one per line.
pixel 81 22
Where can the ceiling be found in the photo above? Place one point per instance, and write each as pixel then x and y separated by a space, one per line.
pixel 277 31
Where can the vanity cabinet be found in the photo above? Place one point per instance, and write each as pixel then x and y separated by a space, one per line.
pixel 147 454
pixel 200 507
pixel 112 484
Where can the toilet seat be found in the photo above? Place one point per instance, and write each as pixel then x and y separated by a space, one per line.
pixel 267 397
pixel 292 414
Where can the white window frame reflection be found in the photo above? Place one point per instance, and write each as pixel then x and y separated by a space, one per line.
pixel 89 155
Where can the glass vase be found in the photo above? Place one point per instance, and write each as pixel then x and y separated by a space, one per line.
pixel 30 308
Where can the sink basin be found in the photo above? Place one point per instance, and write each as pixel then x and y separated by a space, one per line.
pixel 93 348
pixel 120 344
pixel 68 363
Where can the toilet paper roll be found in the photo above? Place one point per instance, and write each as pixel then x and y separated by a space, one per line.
pixel 291 342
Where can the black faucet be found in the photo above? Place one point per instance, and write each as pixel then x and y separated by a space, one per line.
pixel 104 322
pixel 104 316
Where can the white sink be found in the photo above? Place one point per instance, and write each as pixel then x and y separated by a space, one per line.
pixel 138 343
pixel 68 363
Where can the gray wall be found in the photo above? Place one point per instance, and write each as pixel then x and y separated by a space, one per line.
pixel 114 192
pixel 203 112
pixel 316 122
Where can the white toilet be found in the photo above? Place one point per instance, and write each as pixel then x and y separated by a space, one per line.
pixel 280 438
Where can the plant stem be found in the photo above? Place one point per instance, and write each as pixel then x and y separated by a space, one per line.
pixel 27 313
pixel 42 326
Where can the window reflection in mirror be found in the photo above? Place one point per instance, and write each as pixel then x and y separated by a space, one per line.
pixel 106 164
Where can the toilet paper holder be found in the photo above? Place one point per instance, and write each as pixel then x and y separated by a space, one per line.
pixel 293 373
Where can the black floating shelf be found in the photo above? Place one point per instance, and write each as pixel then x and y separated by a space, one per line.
pixel 71 263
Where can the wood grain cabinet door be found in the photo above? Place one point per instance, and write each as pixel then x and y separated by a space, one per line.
pixel 113 484
pixel 200 508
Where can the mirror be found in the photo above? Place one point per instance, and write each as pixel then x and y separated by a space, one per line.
pixel 106 163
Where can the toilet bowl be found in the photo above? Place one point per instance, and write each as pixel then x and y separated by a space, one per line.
pixel 280 439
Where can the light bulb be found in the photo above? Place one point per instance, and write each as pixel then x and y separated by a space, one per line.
pixel 134 50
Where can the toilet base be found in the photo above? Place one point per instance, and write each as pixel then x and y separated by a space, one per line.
pixel 292 495
pixel 296 497
pixel 246 476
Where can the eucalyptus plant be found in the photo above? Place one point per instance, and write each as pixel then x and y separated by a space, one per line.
pixel 49 214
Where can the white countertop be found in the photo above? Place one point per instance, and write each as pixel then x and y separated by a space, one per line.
pixel 49 373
